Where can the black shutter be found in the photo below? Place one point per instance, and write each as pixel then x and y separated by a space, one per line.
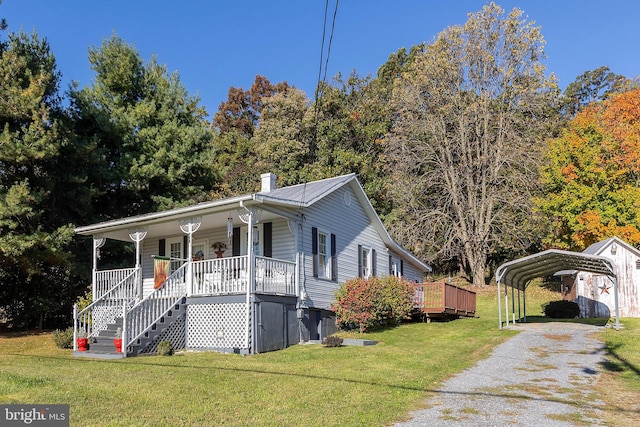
pixel 162 244
pixel 360 260
pixel 334 259
pixel 235 242
pixel 185 246
pixel 314 250
pixel 266 230
pixel 401 268
pixel 390 265
pixel 374 271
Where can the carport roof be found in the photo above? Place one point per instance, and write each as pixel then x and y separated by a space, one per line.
pixel 519 272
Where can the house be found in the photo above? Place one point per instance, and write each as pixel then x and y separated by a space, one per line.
pixel 247 274
pixel 594 293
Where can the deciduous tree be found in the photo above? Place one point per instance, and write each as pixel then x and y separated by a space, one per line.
pixel 471 113
pixel 592 175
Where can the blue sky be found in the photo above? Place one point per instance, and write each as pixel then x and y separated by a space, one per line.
pixel 217 44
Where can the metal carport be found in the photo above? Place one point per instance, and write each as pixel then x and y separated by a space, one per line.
pixel 518 273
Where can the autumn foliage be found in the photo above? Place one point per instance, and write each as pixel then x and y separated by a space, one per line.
pixel 592 175
pixel 368 303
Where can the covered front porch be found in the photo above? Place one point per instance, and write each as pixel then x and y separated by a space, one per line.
pixel 223 262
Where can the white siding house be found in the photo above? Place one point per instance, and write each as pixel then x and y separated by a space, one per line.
pixel 247 274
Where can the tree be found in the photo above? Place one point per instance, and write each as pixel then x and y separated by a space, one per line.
pixel 33 237
pixel 592 86
pixel 149 144
pixel 470 116
pixel 591 176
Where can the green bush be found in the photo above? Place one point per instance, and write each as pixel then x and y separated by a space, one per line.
pixel 332 341
pixel 375 302
pixel 562 310
pixel 165 348
pixel 63 338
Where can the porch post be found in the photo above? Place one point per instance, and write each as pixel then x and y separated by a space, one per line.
pixel 250 217
pixel 190 226
pixel 98 242
pixel 137 236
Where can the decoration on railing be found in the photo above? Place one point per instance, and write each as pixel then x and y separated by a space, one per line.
pixel 219 248
pixel 160 271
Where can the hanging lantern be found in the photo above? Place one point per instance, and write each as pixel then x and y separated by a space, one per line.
pixel 229 228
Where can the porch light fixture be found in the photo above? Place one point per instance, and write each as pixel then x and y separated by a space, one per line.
pixel 614 248
pixel 229 228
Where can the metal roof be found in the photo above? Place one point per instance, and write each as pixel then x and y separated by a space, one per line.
pixel 519 272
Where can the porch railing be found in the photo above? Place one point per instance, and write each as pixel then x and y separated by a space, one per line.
pixel 142 316
pixel 105 279
pixel 231 276
pixel 220 276
pixel 443 298
pixel 108 307
pixel 275 276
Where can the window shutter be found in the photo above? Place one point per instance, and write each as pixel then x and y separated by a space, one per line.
pixel 266 230
pixel 185 246
pixel 162 244
pixel 374 271
pixel 235 242
pixel 334 259
pixel 359 260
pixel 390 265
pixel 314 250
pixel 401 268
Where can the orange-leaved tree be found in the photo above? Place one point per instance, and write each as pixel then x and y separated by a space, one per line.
pixel 592 175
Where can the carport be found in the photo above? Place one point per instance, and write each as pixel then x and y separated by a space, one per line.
pixel 518 273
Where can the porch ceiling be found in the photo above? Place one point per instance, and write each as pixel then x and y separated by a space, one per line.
pixel 167 223
pixel 519 272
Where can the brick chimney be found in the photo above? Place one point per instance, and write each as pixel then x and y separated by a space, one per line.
pixel 268 182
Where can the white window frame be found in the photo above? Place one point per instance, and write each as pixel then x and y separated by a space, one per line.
pixel 324 258
pixel 177 258
pixel 367 261
pixel 395 267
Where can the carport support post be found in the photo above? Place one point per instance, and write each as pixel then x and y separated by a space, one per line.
pixel 506 305
pixel 615 299
pixel 499 307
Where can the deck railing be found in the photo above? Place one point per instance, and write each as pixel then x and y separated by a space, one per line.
pixel 108 307
pixel 220 276
pixel 141 317
pixel 443 298
pixel 105 280
pixel 275 276
pixel 231 275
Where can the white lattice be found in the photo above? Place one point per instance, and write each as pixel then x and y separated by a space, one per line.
pixel 105 315
pixel 174 334
pixel 221 326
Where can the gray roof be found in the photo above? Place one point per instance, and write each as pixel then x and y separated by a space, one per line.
pixel 518 273
pixel 306 194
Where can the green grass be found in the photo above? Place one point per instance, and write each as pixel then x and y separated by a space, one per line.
pixel 304 384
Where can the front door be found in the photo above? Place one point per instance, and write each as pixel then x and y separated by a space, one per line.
pixel 176 253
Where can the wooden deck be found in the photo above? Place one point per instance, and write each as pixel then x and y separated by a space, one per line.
pixel 442 300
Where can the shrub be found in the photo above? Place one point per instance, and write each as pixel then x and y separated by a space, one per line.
pixel 63 338
pixel 562 310
pixel 165 348
pixel 332 341
pixel 375 302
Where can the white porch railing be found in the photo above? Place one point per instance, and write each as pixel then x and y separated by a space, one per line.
pixel 275 276
pixel 231 275
pixel 141 317
pixel 103 311
pixel 104 280
pixel 220 276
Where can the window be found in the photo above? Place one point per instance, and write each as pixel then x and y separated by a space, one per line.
pixel 396 268
pixel 323 246
pixel 366 262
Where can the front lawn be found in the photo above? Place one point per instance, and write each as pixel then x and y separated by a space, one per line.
pixel 302 385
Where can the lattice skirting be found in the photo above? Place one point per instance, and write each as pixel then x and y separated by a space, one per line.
pixel 103 316
pixel 174 334
pixel 217 326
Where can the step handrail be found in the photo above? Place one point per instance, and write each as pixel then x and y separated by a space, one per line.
pixel 106 309
pixel 143 315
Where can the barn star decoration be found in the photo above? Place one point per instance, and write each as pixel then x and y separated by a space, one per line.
pixel 604 289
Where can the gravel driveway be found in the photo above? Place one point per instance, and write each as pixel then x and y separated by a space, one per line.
pixel 540 377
